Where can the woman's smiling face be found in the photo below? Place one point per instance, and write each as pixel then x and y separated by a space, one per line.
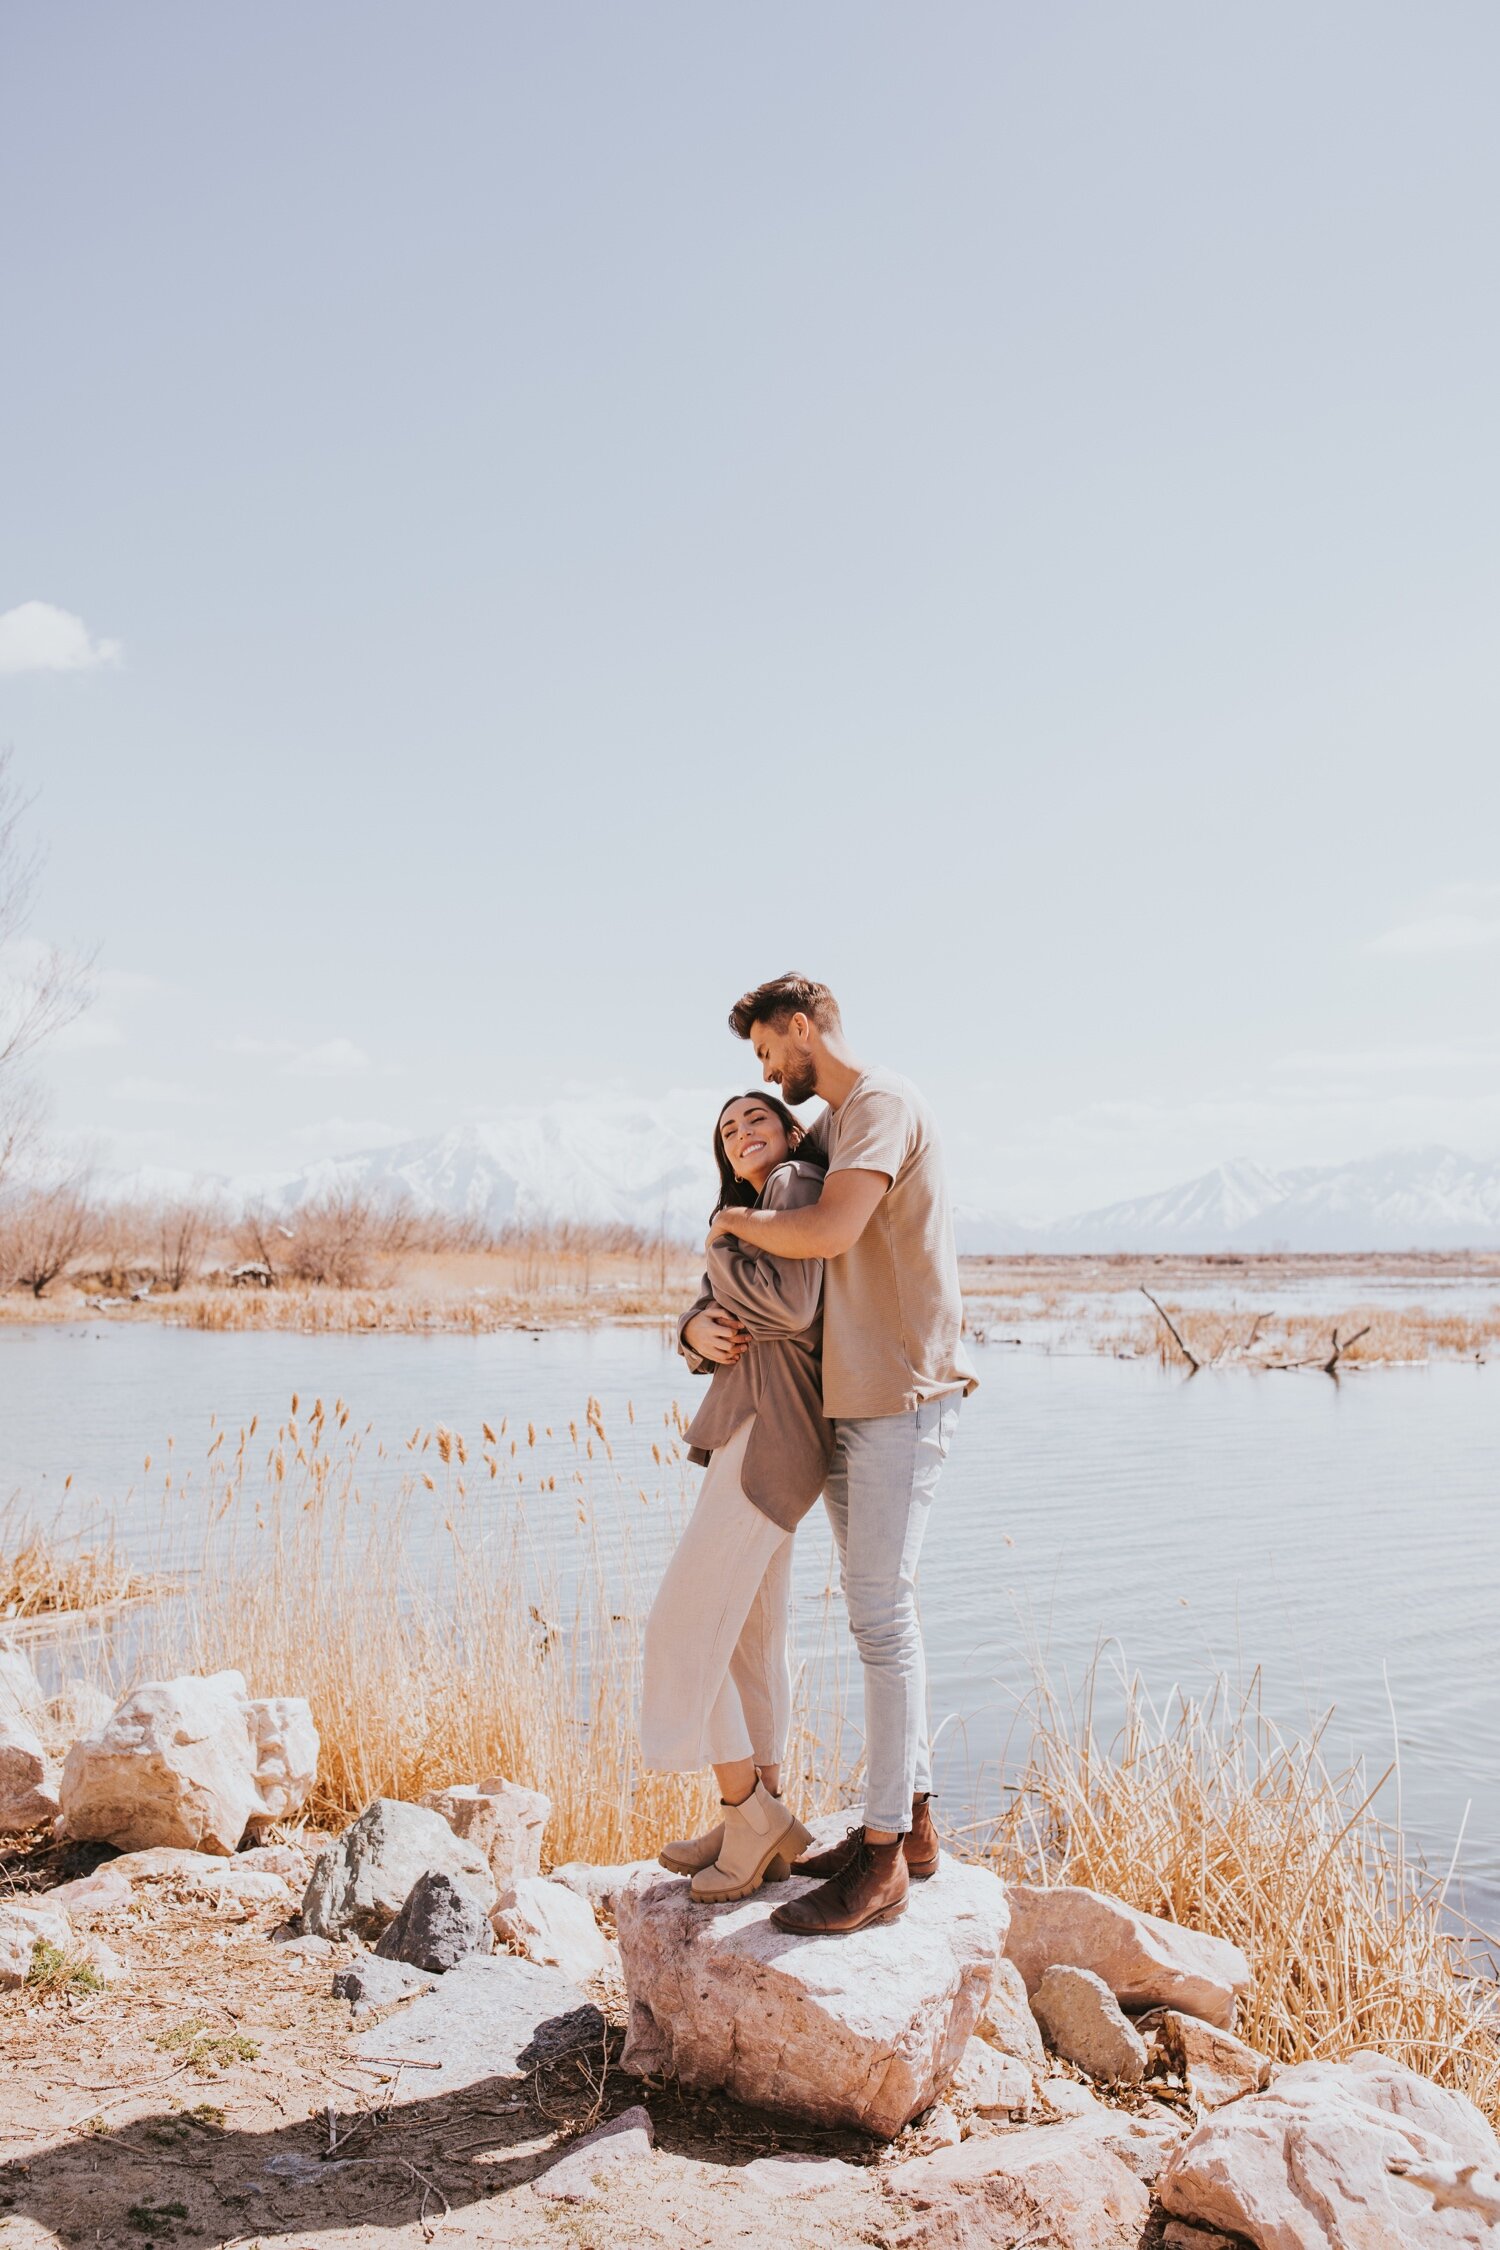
pixel 754 1139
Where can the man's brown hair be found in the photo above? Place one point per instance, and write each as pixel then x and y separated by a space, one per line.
pixel 777 1001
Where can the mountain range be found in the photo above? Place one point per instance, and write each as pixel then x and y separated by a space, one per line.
pixel 608 1162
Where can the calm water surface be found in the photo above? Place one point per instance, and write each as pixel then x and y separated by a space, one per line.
pixel 1343 1539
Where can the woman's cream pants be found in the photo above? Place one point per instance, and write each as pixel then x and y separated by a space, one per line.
pixel 717 1676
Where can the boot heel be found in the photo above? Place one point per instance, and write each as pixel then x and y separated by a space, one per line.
pixel 779 1870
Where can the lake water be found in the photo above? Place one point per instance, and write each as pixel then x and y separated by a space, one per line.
pixel 1345 1539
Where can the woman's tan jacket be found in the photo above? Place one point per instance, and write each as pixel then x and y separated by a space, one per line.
pixel 779 1377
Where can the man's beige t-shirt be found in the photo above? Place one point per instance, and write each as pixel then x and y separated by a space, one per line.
pixel 892 1311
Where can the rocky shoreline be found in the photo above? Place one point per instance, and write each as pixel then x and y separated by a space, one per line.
pixel 498 2052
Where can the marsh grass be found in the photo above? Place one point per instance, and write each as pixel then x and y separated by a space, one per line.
pixel 454 1609
pixel 44 1573
pixel 1203 1812
pixel 453 1612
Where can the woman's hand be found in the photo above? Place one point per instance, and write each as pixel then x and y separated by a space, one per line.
pixel 715 1334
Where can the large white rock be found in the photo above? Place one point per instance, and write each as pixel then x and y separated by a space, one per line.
pixel 862 2030
pixel 364 1881
pixel 1303 2165
pixel 1007 2021
pixel 181 1763
pixel 1086 2024
pixel 28 1778
pixel 1146 1962
pixel 1065 2186
pixel 551 1924
pixel 22 1929
pixel 286 1754
pixel 504 1820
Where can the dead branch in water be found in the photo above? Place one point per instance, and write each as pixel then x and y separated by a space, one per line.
pixel 1330 1366
pixel 1193 1363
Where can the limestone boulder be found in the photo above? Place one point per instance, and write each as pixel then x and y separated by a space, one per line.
pixel 488 2019
pixel 1146 1962
pixel 506 1822
pixel 361 1885
pixel 864 2031
pixel 1007 2022
pixel 1305 2163
pixel 1213 2065
pixel 439 1925
pixel 286 1755
pixel 553 1925
pixel 189 1764
pixel 1062 2185
pixel 601 1885
pixel 370 1983
pixel 1086 2025
pixel 22 1929
pixel 28 1778
pixel 989 2083
pixel 584 2170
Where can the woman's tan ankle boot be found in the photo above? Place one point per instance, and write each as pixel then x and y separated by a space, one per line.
pixel 754 1835
pixel 693 1852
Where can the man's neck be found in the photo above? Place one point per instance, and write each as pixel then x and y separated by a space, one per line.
pixel 838 1075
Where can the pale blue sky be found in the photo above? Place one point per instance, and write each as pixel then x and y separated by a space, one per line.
pixel 995 505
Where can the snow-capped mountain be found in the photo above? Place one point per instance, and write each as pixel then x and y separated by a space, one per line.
pixel 577 1160
pixel 610 1162
pixel 1411 1199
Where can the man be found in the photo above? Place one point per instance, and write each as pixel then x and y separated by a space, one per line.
pixel 894 1371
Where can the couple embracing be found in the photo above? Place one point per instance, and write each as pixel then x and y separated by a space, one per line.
pixel 831 1322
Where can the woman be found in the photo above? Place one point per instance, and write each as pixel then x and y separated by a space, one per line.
pixel 717 1677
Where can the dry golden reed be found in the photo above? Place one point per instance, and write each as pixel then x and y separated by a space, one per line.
pixel 1204 1813
pixel 456 1608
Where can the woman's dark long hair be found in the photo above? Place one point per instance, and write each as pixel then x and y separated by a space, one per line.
pixel 736 1194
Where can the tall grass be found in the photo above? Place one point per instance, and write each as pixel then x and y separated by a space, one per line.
pixel 1203 1812
pixel 455 1609
pixel 455 1612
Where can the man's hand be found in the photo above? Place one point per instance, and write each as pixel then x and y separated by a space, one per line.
pixel 715 1334
pixel 727 1222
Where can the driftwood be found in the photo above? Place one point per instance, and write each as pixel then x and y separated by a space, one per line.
pixel 1194 1364
pixel 1453 2187
pixel 1330 1366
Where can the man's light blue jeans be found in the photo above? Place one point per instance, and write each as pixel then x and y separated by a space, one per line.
pixel 879 1491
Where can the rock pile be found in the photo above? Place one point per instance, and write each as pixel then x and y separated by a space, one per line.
pixel 191 1763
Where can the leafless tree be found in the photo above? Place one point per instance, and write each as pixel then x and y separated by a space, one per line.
pixel 43 1230
pixel 181 1231
pixel 41 987
pixel 262 1238
pixel 348 1237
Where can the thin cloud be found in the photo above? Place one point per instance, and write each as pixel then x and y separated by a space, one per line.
pixel 329 1058
pixel 39 637
pixel 1464 918
pixel 155 1090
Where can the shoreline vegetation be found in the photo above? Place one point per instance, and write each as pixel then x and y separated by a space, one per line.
pixel 509 1644
pixel 350 1264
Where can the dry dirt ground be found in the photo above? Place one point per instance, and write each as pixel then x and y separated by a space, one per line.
pixel 193 2105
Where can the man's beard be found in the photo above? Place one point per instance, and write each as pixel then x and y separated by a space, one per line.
pixel 799 1081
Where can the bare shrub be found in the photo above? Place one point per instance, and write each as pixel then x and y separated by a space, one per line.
pixel 181 1231
pixel 43 1231
pixel 348 1237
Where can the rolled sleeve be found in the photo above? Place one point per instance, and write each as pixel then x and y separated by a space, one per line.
pixel 874 1133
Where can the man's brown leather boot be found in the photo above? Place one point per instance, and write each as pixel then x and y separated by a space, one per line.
pixel 920 1845
pixel 870 1887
